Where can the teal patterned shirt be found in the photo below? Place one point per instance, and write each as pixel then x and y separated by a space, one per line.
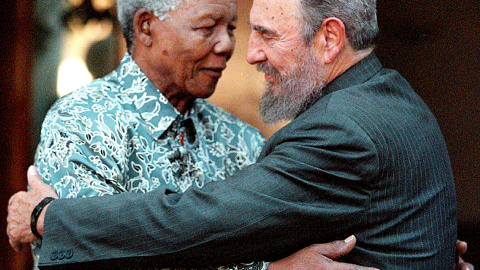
pixel 120 134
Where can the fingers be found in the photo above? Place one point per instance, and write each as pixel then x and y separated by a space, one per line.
pixel 461 247
pixel 337 249
pixel 13 237
pixel 20 208
pixel 15 245
pixel 33 177
pixel 467 266
pixel 14 199
pixel 347 266
pixel 461 250
pixel 37 186
pixel 462 265
pixel 319 256
pixel 12 228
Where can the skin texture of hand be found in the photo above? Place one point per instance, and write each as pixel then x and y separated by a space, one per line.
pixel 461 264
pixel 319 257
pixel 20 207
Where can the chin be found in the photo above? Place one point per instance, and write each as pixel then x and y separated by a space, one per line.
pixel 205 92
pixel 273 89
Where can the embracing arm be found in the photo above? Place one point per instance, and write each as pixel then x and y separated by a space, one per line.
pixel 22 204
pixel 319 256
pixel 265 212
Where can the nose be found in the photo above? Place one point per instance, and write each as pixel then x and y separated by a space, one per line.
pixel 225 44
pixel 255 54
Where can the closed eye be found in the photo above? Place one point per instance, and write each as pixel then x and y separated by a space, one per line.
pixel 264 32
pixel 206 30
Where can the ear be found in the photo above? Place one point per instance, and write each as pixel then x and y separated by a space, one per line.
pixel 141 25
pixel 330 39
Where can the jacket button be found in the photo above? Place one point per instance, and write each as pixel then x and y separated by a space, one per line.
pixel 61 255
pixel 54 255
pixel 68 254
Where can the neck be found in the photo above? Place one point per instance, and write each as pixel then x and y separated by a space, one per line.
pixel 181 102
pixel 345 60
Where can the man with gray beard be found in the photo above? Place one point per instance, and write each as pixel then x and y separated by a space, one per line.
pixel 300 88
pixel 363 155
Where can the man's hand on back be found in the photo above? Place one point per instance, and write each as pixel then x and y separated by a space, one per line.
pixel 20 208
pixel 319 256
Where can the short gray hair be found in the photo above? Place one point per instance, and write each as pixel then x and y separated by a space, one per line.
pixel 126 10
pixel 358 16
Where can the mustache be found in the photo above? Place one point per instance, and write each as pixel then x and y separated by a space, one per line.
pixel 267 68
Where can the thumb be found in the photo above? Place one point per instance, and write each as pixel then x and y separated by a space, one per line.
pixel 461 247
pixel 34 178
pixel 337 249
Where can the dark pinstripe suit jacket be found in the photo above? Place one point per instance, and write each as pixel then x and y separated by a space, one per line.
pixel 366 159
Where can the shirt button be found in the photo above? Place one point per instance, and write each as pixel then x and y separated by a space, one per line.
pixel 61 255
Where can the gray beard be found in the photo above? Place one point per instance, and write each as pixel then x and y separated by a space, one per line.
pixel 300 88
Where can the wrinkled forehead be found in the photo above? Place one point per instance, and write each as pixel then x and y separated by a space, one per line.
pixel 275 14
pixel 274 10
pixel 230 5
pixel 224 10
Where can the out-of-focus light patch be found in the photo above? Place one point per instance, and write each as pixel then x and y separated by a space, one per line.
pixel 72 74
pixel 75 3
pixel 101 5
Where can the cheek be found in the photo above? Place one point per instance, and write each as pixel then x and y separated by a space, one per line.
pixel 195 60
pixel 286 52
pixel 279 62
pixel 288 61
pixel 201 86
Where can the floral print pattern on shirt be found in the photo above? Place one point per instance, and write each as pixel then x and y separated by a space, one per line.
pixel 120 134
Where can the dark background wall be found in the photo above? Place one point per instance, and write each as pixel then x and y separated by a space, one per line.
pixel 434 44
pixel 16 39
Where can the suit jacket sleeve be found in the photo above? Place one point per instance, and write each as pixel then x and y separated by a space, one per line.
pixel 309 187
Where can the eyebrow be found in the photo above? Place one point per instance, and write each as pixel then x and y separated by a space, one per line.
pixel 260 29
pixel 216 17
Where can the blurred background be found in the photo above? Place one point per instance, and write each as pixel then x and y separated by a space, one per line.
pixel 51 47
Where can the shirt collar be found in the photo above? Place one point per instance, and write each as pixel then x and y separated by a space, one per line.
pixel 154 108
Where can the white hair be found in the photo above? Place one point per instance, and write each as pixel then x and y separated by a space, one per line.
pixel 126 10
pixel 359 17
